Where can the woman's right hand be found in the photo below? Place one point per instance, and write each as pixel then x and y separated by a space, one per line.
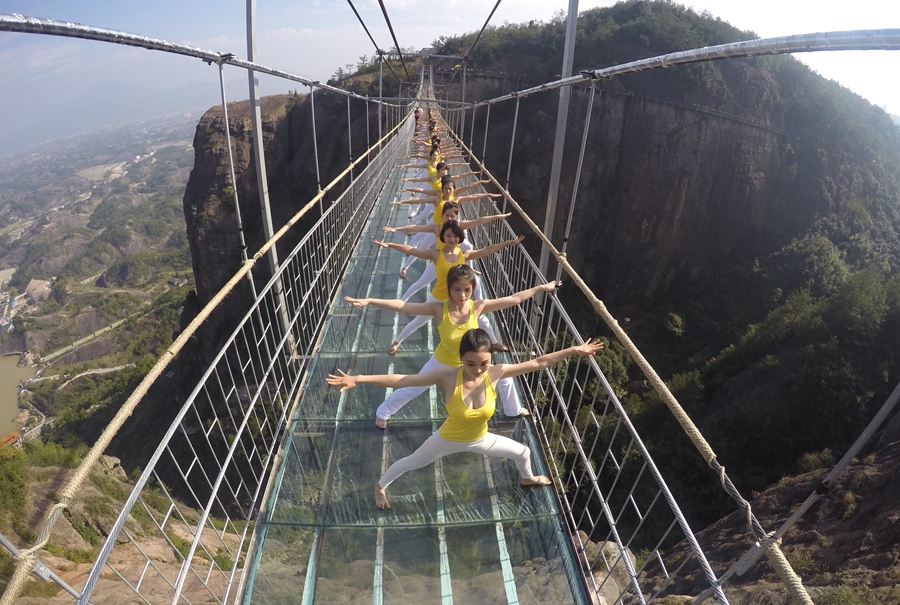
pixel 513 242
pixel 379 243
pixel 357 302
pixel 343 381
pixel 390 229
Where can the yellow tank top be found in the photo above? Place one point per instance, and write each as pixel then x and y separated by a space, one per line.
pixel 451 334
pixel 463 423
pixel 441 266
pixel 439 210
pixel 432 172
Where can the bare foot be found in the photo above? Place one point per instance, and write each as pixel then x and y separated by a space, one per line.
pixel 499 346
pixel 393 348
pixel 403 272
pixel 536 480
pixel 380 423
pixel 381 500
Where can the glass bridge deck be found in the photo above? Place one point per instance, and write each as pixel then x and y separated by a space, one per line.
pixel 459 531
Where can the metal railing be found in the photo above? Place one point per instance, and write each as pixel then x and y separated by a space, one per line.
pixel 608 486
pixel 186 527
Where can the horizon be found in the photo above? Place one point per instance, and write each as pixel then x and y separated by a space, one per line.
pixel 77 86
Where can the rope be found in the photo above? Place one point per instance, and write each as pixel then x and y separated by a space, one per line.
pixel 26 559
pixel 789 578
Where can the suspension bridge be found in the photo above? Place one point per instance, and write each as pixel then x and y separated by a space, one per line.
pixel 260 490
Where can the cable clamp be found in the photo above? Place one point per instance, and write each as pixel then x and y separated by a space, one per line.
pixel 589 74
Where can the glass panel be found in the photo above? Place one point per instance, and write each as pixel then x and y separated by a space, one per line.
pixel 463 528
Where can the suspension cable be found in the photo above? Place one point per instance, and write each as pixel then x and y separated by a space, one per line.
pixel 770 544
pixel 312 104
pixel 349 138
pixel 394 36
pixel 584 138
pixel 512 147
pixel 234 191
pixel 50 27
pixel 378 50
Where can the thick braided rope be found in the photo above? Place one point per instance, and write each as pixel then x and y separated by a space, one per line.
pixel 26 559
pixel 789 578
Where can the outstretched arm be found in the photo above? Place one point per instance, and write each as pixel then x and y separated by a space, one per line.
pixel 465 174
pixel 590 347
pixel 470 185
pixel 474 254
pixel 401 306
pixel 386 380
pixel 421 179
pixel 478 222
pixel 429 254
pixel 418 190
pixel 475 196
pixel 432 227
pixel 496 304
pixel 428 199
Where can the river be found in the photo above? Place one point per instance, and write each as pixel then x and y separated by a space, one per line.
pixel 10 376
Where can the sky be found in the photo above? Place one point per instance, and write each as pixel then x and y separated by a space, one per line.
pixel 77 84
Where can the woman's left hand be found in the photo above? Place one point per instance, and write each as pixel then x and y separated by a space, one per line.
pixel 357 302
pixel 589 347
pixel 380 243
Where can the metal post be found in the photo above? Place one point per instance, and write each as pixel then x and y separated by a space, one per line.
pixel 562 117
pixel 256 122
pixel 262 181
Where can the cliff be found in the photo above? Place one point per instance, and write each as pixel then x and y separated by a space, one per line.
pixel 291 175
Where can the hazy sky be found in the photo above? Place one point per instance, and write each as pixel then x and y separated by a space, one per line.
pixel 47 75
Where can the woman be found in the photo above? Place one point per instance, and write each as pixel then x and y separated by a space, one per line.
pixel 470 404
pixel 427 236
pixel 448 194
pixel 448 253
pixel 455 315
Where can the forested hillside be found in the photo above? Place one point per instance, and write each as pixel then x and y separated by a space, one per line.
pixel 775 315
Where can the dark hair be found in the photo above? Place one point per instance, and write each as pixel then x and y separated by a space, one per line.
pixel 446 178
pixel 440 166
pixel 475 340
pixel 455 228
pixel 450 206
pixel 460 273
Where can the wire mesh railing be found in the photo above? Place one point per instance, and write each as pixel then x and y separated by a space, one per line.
pixel 185 529
pixel 623 517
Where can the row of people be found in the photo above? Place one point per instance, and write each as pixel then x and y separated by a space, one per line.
pixel 462 360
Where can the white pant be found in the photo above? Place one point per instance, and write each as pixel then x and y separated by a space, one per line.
pixel 426 211
pixel 506 391
pixel 495 446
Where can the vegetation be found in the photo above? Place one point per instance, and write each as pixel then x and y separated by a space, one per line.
pixel 799 326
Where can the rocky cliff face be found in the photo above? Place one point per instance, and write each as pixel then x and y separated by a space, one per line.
pixel 291 176
pixel 668 190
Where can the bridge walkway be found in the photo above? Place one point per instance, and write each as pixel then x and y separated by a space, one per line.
pixel 461 531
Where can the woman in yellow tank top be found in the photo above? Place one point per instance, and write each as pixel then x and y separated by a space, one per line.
pixel 470 404
pixel 456 315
